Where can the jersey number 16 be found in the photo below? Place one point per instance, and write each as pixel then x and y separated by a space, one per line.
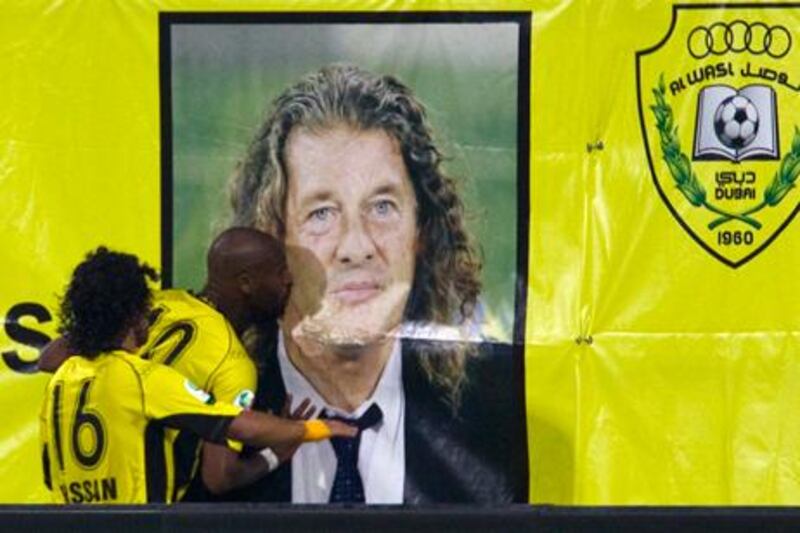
pixel 84 420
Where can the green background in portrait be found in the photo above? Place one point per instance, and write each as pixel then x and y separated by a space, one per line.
pixel 225 76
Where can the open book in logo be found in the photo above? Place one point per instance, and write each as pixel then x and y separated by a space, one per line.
pixel 736 124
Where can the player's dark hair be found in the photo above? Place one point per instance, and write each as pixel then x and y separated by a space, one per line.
pixel 108 292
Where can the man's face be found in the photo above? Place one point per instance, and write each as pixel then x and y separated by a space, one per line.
pixel 351 233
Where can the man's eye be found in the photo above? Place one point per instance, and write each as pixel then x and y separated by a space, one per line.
pixel 321 219
pixel 321 215
pixel 383 207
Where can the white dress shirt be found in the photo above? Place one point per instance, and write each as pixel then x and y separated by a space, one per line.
pixel 381 456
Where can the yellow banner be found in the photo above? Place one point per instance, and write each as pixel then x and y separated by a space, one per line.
pixel 79 167
pixel 661 358
pixel 660 325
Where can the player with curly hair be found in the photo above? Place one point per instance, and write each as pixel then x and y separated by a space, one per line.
pixel 108 289
pixel 105 409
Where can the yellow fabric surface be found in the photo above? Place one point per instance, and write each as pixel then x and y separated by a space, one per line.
pixel 655 373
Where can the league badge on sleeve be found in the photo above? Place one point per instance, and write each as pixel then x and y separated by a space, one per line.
pixel 719 107
pixel 198 393
pixel 244 399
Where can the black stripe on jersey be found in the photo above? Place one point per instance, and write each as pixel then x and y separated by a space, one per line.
pixel 48 481
pixel 155 463
pixel 184 456
pixel 154 315
pixel 57 424
pixel 212 428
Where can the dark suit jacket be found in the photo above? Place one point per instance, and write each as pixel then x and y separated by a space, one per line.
pixel 477 455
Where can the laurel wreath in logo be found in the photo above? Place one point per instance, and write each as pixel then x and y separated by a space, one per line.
pixel 686 180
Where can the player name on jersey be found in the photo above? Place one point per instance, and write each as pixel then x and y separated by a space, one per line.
pixel 90 490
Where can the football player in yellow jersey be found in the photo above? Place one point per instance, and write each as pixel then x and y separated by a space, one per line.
pixel 105 410
pixel 190 335
pixel 198 335
pixel 247 284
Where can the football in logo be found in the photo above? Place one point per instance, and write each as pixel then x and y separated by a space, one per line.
pixel 736 121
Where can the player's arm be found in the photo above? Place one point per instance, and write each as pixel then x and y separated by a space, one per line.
pixel 255 428
pixel 224 469
pixel 264 430
pixel 171 399
pixel 54 353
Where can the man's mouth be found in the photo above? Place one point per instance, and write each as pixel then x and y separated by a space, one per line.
pixel 356 292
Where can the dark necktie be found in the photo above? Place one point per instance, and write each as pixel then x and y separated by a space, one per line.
pixel 347 483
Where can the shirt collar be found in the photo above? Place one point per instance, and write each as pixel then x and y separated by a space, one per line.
pixel 388 393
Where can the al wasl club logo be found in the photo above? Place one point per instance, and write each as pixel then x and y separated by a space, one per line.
pixel 719 106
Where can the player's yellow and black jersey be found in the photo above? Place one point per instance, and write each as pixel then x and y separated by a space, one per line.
pixel 102 426
pixel 195 339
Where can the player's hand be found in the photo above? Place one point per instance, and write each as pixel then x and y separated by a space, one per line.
pixel 304 411
pixel 340 429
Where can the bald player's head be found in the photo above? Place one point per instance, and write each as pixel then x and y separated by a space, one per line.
pixel 247 275
pixel 237 249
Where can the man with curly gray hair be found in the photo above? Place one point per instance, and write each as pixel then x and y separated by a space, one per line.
pixel 386 278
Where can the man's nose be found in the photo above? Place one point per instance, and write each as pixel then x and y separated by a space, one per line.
pixel 356 243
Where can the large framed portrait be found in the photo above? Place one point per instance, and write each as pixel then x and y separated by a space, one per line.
pixel 390 152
